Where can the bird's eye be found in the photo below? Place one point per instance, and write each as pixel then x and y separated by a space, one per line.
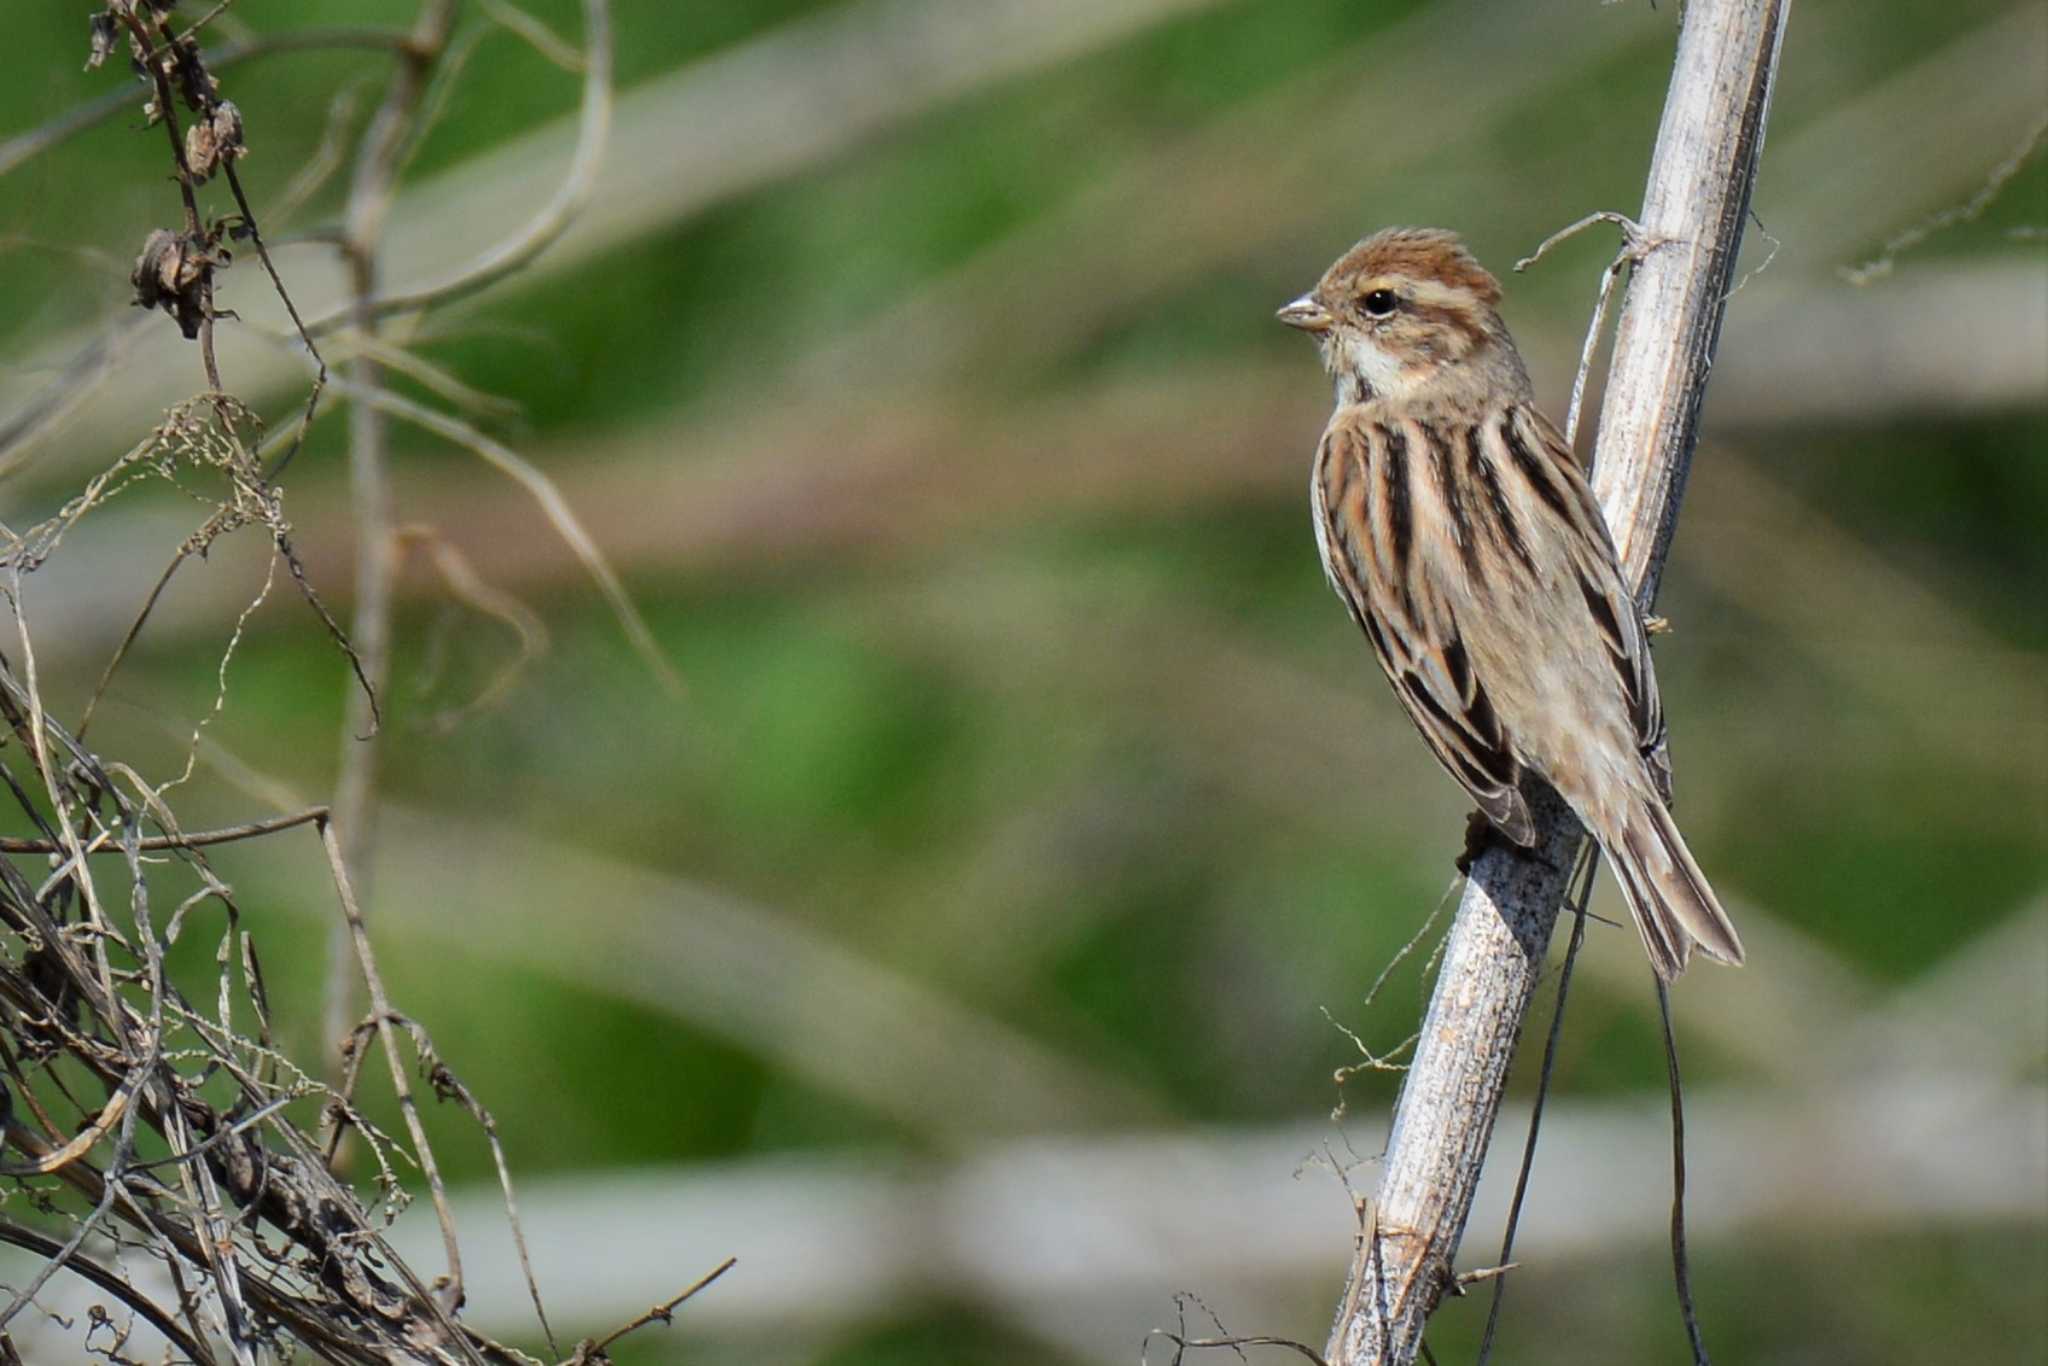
pixel 1379 303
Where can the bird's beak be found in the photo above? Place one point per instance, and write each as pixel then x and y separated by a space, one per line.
pixel 1306 314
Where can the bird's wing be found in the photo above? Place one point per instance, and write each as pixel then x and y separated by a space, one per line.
pixel 1413 633
pixel 1608 599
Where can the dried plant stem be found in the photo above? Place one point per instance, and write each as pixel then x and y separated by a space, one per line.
pixel 1681 1260
pixel 552 504
pixel 383 1017
pixel 1708 149
pixel 198 839
pixel 593 1351
pixel 261 1249
pixel 27 146
pixel 1969 211
pixel 593 134
pixel 167 110
pixel 369 206
pixel 114 1284
pixel 1609 278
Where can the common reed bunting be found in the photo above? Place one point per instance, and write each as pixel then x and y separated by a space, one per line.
pixel 1455 524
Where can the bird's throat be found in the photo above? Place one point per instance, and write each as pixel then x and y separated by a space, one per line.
pixel 1352 387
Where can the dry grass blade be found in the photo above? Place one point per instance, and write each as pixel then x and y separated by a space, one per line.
pixel 552 505
pixel 468 588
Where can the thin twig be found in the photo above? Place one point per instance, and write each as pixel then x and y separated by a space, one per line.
pixel 326 158
pixel 298 323
pixel 167 111
pixel 27 146
pixel 469 588
pixel 128 639
pixel 448 1087
pixel 556 508
pixel 661 1313
pixel 62 1256
pixel 41 730
pixel 1681 1266
pixel 1635 245
pixel 382 1017
pixel 1238 1343
pixel 51 1251
pixel 155 843
pixel 58 1158
pixel 192 29
pixel 1969 211
pixel 245 1124
pixel 538 234
pixel 1627 225
pixel 1577 902
pixel 535 35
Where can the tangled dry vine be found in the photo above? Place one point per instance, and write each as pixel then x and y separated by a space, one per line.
pixel 163 1145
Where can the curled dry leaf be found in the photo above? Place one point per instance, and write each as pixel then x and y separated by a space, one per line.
pixel 104 32
pixel 177 60
pixel 182 63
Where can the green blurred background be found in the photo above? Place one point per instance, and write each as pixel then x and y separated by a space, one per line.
pixel 971 947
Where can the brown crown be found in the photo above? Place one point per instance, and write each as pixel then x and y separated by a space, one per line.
pixel 1420 254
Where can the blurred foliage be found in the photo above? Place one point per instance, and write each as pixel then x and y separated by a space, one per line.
pixel 1024 763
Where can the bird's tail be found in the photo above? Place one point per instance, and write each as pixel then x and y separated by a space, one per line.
pixel 1673 906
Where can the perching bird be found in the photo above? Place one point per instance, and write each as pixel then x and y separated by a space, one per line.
pixel 1455 524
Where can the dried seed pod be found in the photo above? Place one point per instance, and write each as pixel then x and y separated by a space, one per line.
pixel 202 151
pixel 159 250
pixel 171 274
pixel 212 140
pixel 227 129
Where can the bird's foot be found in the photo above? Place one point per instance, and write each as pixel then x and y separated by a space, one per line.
pixel 1480 835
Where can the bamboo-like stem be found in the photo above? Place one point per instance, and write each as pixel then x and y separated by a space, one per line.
pixel 1708 148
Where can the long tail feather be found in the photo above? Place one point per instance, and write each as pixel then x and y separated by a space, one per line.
pixel 1674 908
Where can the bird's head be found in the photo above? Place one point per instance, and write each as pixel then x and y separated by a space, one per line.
pixel 1408 315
